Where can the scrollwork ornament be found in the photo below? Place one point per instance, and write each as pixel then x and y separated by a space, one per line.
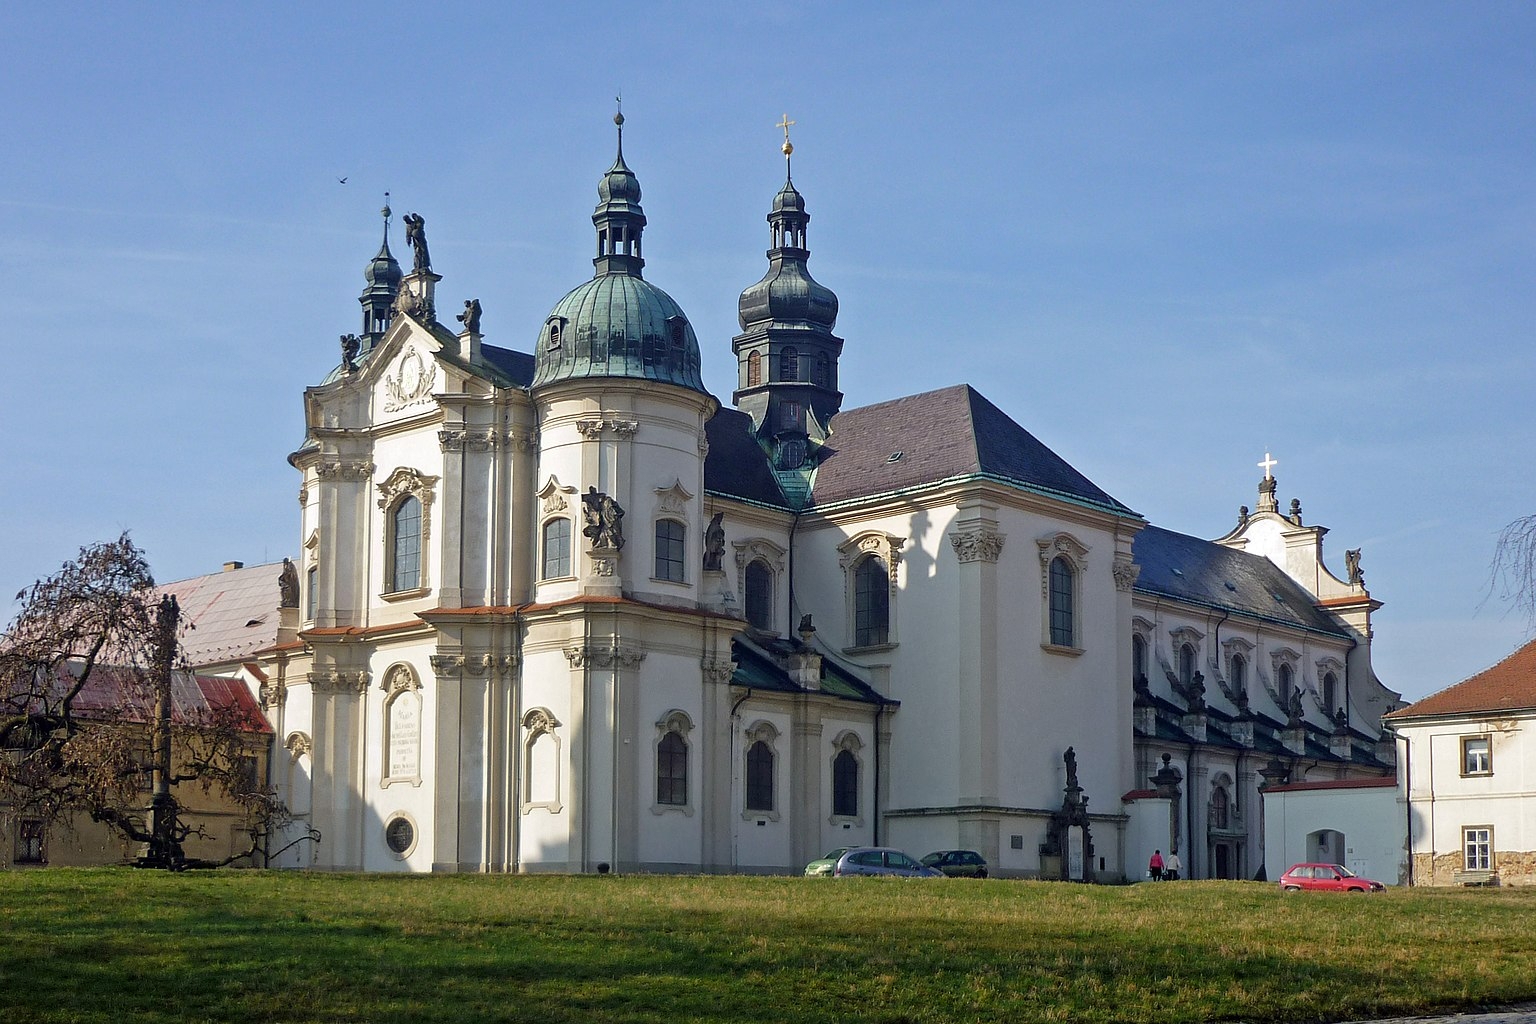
pixel 1126 572
pixel 590 429
pixel 446 664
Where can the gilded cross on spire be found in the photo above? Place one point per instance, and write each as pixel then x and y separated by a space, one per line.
pixel 786 124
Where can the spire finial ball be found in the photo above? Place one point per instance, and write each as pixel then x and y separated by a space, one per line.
pixel 618 119
pixel 788 147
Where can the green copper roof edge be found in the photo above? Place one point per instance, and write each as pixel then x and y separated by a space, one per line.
pixel 1116 509
pixel 1245 612
pixel 747 501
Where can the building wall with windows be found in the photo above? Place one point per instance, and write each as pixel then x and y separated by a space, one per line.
pixel 1468 771
pixel 562 611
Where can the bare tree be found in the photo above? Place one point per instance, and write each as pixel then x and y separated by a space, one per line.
pixel 87 723
pixel 1513 575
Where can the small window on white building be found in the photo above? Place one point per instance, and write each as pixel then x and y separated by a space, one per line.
pixel 1476 755
pixel 1477 847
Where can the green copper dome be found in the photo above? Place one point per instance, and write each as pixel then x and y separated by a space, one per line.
pixel 618 324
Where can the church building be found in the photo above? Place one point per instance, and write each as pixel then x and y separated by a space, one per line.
pixel 556 608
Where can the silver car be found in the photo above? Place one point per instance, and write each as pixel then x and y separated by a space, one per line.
pixel 880 860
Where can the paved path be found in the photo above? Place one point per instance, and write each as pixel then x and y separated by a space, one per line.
pixel 1523 1014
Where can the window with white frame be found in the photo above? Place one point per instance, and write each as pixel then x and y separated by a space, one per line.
pixel 1477 755
pixel 1138 658
pixel 1063 566
pixel 1188 659
pixel 845 784
pixel 672 749
pixel 759 798
pixel 1237 675
pixel 1477 848
pixel 1330 692
pixel 541 761
pixel 556 545
pixel 671 545
pixel 405 545
pixel 311 592
pixel 1063 599
pixel 869 561
pixel 758 584
pixel 871 603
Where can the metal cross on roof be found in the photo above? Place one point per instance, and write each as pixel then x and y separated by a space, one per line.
pixel 1268 464
pixel 785 124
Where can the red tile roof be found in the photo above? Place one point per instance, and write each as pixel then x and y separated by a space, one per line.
pixel 124 695
pixel 1508 686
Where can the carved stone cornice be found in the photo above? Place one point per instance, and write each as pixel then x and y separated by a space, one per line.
pixel 339 681
pixel 1125 571
pixel 345 470
pixel 613 654
pixel 977 545
pixel 467 440
pixel 409 481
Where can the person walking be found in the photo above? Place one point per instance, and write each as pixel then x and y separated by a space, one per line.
pixel 1171 866
pixel 1155 866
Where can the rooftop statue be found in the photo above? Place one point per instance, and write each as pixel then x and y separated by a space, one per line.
pixel 416 235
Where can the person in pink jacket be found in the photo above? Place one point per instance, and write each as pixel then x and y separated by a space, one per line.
pixel 1155 866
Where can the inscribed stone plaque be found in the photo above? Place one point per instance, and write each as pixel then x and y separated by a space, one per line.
pixel 1075 852
pixel 405 736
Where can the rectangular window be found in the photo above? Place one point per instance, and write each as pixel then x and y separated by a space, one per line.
pixel 557 549
pixel 29 841
pixel 670 544
pixel 1477 845
pixel 311 592
pixel 1476 755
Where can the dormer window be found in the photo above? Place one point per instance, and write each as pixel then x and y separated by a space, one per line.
pixel 677 331
pixel 553 333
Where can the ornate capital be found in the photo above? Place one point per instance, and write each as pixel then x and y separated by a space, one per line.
pixel 593 429
pixel 718 670
pixel 446 664
pixel 598 654
pixel 625 429
pixel 303 496
pixel 978 545
pixel 590 429
pixel 466 440
pixel 1125 572
pixel 523 440
pixel 344 470
pixel 273 694
pixel 336 681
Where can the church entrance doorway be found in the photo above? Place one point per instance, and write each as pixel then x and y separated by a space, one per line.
pixel 1327 846
pixel 1224 860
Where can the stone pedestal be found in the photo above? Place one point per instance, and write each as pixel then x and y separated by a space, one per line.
pixel 603 576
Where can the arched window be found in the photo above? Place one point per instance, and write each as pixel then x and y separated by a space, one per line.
pixel 1138 659
pixel 672 770
pixel 754 369
pixel 1220 816
pixel 789 364
pixel 554 334
pixel 1186 663
pixel 845 784
pixel 871 603
pixel 759 777
pixel 1062 580
pixel 759 594
pixel 1239 674
pixel 405 527
pixel 1286 679
pixel 311 592
pixel 823 369
pixel 670 545
pixel 557 549
pixel 1330 692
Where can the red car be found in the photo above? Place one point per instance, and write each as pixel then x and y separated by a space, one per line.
pixel 1332 877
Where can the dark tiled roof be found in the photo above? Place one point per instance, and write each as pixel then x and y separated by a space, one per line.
pixel 1508 686
pixel 1190 569
pixel 516 366
pixel 757 667
pixel 941 434
pixel 736 465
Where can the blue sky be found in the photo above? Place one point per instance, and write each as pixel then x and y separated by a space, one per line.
pixel 1164 238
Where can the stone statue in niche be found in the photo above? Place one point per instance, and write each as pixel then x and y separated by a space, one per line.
pixel 1070 757
pixel 350 346
pixel 1352 563
pixel 604 520
pixel 1196 693
pixel 470 318
pixel 288 585
pixel 416 235
pixel 714 543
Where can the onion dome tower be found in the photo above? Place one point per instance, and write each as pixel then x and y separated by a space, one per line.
pixel 787 354
pixel 383 275
pixel 618 324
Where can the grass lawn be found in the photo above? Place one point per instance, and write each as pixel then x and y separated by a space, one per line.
pixel 118 945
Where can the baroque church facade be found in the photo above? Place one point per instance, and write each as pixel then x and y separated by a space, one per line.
pixel 562 610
